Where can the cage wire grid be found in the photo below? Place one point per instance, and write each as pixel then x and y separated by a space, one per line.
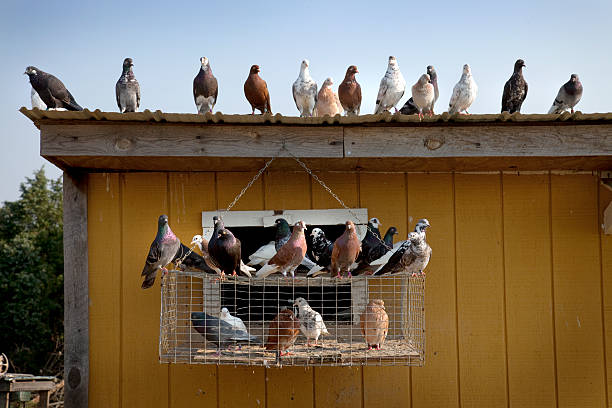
pixel 341 303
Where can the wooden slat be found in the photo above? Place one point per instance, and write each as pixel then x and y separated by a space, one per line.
pixel 465 141
pixel 339 387
pixel 531 365
pixel 384 195
pixel 577 292
pixel 386 387
pixel 193 386
pixel 289 387
pixel 76 291
pixel 206 140
pixel 144 382
pixel 480 291
pixel 436 384
pixel 104 231
pixel 344 185
pixel 605 198
pixel 287 190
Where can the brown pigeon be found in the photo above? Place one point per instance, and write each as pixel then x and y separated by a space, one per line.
pixel 283 331
pixel 423 94
pixel 289 256
pixel 256 92
pixel 374 324
pixel 328 102
pixel 345 252
pixel 349 92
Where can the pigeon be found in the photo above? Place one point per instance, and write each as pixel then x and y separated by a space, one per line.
pixel 380 250
pixel 127 89
pixel 515 90
pixel 321 247
pixel 371 240
pixel 205 88
pixel 349 92
pixel 374 324
pixel 162 251
pixel 36 101
pixel 51 90
pixel 289 256
pixel 464 92
pixel 263 254
pixel 234 321
pixel 283 233
pixel 282 332
pixel 345 252
pixel 392 87
pixel 411 257
pixel 311 322
pixel 203 245
pixel 420 227
pixel 410 108
pixel 423 94
pixel 305 91
pixel 328 102
pixel 191 261
pixel 224 250
pixel 220 332
pixel 569 95
pixel 256 92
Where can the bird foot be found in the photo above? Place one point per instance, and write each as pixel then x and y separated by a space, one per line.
pixel 369 348
pixel 572 111
pixel 420 116
pixel 350 275
pixel 395 109
pixel 339 276
pixel 413 274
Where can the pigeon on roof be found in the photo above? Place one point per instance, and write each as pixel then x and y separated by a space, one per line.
pixel 161 252
pixel 349 92
pixel 305 91
pixel 224 250
pixel 219 331
pixel 328 102
pixel 413 254
pixel 234 321
pixel 410 108
pixel 568 96
pixel 464 92
pixel 127 89
pixel 282 332
pixel 423 94
pixel 311 322
pixel 205 88
pixel 374 323
pixel 256 91
pixel 321 247
pixel 36 101
pixel 289 256
pixel 345 252
pixel 203 246
pixel 51 90
pixel 392 87
pixel 515 89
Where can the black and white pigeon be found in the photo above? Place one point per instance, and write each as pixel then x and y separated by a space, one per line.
pixel 410 108
pixel 321 247
pixel 36 101
pixel 220 332
pixel 515 90
pixel 224 250
pixel 392 87
pixel 162 251
pixel 311 322
pixel 205 88
pixel 568 96
pixel 412 256
pixel 51 90
pixel 464 92
pixel 127 89
pixel 305 91
pixel 371 240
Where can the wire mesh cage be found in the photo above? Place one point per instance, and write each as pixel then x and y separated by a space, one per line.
pixel 365 320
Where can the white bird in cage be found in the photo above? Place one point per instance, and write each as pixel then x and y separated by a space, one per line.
pixel 200 241
pixel 236 322
pixel 311 322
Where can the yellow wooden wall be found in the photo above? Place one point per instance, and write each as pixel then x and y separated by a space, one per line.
pixel 518 295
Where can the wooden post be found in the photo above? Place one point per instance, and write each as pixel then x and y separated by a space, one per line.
pixel 76 293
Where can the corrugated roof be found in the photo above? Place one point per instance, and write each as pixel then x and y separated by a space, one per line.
pixel 37 115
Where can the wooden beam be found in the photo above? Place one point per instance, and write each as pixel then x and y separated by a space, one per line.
pixel 607 227
pixel 76 291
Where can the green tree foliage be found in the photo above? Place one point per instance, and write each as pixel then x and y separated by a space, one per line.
pixel 31 276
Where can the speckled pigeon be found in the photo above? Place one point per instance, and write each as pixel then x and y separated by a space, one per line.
pixel 205 88
pixel 220 332
pixel 256 91
pixel 305 91
pixel 515 90
pixel 311 322
pixel 162 251
pixel 321 247
pixel 412 256
pixel 568 96
pixel 127 89
pixel 51 90
pixel 392 87
pixel 345 252
pixel 464 92
pixel 349 92
pixel 289 256
pixel 410 108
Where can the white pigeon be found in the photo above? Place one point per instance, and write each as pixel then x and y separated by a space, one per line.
pixel 36 101
pixel 464 93
pixel 423 94
pixel 262 255
pixel 311 322
pixel 392 87
pixel 305 91
pixel 198 240
pixel 236 322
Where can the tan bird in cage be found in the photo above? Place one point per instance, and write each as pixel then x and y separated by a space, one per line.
pixel 374 324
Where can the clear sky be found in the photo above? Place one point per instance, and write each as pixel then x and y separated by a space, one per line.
pixel 84 44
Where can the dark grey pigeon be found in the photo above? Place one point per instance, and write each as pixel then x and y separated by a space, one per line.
pixel 515 90
pixel 410 108
pixel 220 332
pixel 283 233
pixel 370 241
pixel 192 261
pixel 412 256
pixel 205 88
pixel 161 253
pixel 51 90
pixel 380 249
pixel 569 95
pixel 225 250
pixel 127 89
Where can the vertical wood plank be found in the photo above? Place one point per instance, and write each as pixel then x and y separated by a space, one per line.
pixel 577 291
pixel 193 385
pixel 605 198
pixel 344 185
pixel 338 387
pixel 431 196
pixel 76 291
pixel 103 232
pixel 231 183
pixel 287 190
pixel 531 365
pixel 480 291
pixel 144 380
